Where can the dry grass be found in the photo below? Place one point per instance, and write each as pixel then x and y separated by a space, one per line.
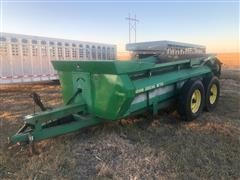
pixel 166 148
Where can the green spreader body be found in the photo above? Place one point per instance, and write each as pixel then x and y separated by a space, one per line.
pixel 98 91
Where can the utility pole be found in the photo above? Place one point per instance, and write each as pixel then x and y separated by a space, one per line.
pixel 132 27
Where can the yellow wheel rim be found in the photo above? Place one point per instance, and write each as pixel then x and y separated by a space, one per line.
pixel 213 94
pixel 196 101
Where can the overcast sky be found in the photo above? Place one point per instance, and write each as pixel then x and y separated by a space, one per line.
pixel 214 24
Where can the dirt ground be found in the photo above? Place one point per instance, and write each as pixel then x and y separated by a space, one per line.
pixel 207 148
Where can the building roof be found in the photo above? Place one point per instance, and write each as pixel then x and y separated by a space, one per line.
pixel 160 45
pixel 13 35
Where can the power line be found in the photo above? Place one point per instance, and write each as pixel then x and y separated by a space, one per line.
pixel 132 27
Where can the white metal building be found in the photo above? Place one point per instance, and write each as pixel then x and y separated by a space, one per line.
pixel 166 48
pixel 26 58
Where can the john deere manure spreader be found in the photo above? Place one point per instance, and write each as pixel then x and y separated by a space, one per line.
pixel 98 91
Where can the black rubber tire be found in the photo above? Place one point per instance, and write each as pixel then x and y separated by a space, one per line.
pixel 208 84
pixel 184 100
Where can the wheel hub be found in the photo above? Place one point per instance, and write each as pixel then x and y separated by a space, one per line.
pixel 213 94
pixel 196 101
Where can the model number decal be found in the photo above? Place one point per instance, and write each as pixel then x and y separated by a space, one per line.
pixel 149 87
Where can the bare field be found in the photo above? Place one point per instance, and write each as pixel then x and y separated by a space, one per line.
pixel 166 148
pixel 229 59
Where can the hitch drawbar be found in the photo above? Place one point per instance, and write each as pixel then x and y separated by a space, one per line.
pixel 52 123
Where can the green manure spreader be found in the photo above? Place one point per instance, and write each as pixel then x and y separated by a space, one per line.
pixel 163 73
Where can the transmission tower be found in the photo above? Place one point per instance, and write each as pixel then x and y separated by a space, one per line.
pixel 132 27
